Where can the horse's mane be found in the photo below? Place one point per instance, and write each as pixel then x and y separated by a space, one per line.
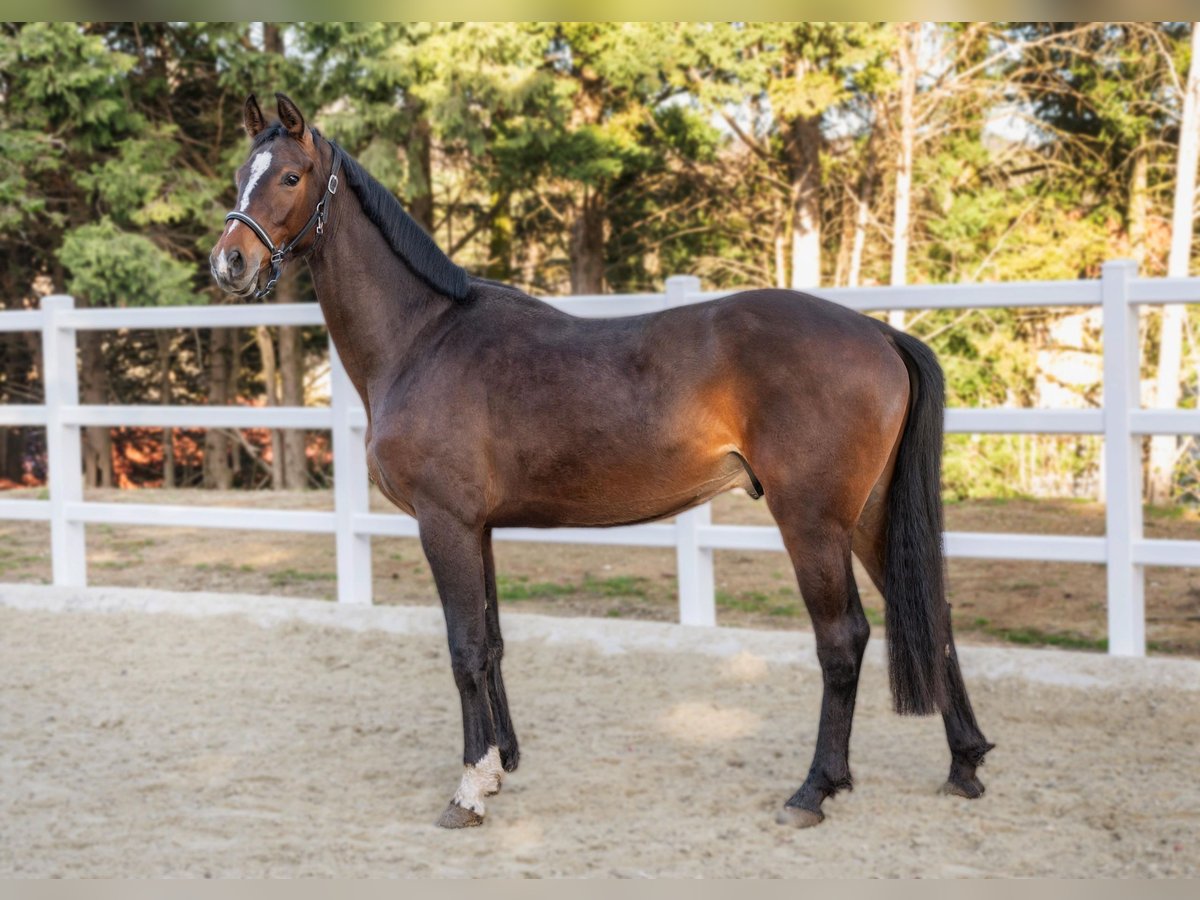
pixel 408 240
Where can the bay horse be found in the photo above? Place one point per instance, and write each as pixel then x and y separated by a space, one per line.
pixel 487 408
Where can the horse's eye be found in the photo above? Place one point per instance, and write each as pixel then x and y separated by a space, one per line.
pixel 291 180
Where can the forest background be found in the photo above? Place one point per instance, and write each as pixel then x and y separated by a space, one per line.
pixel 581 158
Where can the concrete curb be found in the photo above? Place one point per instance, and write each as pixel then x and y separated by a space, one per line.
pixel 1053 667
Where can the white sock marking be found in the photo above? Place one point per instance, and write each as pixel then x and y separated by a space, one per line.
pixel 478 781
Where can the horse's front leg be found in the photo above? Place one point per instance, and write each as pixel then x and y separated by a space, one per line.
pixel 455 553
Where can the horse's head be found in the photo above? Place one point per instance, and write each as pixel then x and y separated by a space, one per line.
pixel 283 188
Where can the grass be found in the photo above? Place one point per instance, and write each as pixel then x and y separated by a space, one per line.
pixel 1036 637
pixel 1173 512
pixel 10 563
pixel 133 545
pixel 227 569
pixel 293 576
pixel 1025 586
pixel 618 586
pixel 759 602
pixel 519 588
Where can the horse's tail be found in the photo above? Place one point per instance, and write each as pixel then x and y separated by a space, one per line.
pixel 914 574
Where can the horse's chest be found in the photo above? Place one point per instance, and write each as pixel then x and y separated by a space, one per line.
pixel 392 481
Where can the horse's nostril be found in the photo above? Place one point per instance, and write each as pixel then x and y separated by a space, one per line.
pixel 235 262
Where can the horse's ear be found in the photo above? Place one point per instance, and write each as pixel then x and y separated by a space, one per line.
pixel 254 119
pixel 289 115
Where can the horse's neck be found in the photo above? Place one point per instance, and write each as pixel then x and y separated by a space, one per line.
pixel 372 302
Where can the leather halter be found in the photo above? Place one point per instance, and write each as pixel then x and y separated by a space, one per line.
pixel 278 254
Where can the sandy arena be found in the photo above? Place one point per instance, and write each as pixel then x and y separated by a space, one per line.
pixel 144 733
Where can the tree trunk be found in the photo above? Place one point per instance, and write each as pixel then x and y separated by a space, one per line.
pixel 1170 349
pixel 223 364
pixel 266 350
pixel 1139 204
pixel 500 242
pixel 163 339
pixel 842 265
pixel 291 370
pixel 14 375
pixel 862 215
pixel 93 389
pixel 288 468
pixel 272 39
pixel 420 169
pixel 909 36
pixel 862 209
pixel 530 267
pixel 804 158
pixel 779 241
pixel 587 245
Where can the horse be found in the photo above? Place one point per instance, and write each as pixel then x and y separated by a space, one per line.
pixel 488 408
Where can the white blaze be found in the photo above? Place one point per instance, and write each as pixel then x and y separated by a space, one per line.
pixel 258 166
pixel 479 781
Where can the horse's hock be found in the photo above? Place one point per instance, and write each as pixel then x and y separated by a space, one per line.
pixel 148 733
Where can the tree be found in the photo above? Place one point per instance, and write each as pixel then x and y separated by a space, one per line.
pixel 777 86
pixel 109 267
pixel 1163 448
pixel 908 50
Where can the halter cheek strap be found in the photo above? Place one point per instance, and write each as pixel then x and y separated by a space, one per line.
pixel 317 219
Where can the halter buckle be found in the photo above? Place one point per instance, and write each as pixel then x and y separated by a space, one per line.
pixel 333 184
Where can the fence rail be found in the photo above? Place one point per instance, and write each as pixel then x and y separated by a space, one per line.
pixel 1124 548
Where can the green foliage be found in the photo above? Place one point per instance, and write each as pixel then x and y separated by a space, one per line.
pixel 110 267
pixel 23 154
pixel 679 144
pixel 145 184
pixel 68 79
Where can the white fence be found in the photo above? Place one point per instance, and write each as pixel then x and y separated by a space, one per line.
pixel 1122 422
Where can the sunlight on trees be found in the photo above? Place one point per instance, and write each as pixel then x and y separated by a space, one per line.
pixel 592 157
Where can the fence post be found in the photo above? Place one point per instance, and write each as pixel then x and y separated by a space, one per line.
pixel 697 587
pixel 694 562
pixel 350 489
pixel 1122 462
pixel 64 455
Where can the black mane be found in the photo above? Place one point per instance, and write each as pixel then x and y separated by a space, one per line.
pixel 407 239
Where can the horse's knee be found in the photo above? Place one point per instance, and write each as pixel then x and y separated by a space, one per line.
pixel 840 650
pixel 495 650
pixel 469 664
pixel 840 669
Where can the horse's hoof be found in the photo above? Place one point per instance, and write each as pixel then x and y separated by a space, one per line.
pixel 799 818
pixel 510 760
pixel 970 788
pixel 457 816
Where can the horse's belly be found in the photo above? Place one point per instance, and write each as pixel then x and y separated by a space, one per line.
pixel 623 494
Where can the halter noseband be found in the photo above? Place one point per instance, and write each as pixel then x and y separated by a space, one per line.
pixel 278 254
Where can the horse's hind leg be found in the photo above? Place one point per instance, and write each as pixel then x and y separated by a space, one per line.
pixel 968 746
pixel 820 552
pixel 506 737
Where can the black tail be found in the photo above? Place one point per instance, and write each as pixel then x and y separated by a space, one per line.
pixel 914 574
